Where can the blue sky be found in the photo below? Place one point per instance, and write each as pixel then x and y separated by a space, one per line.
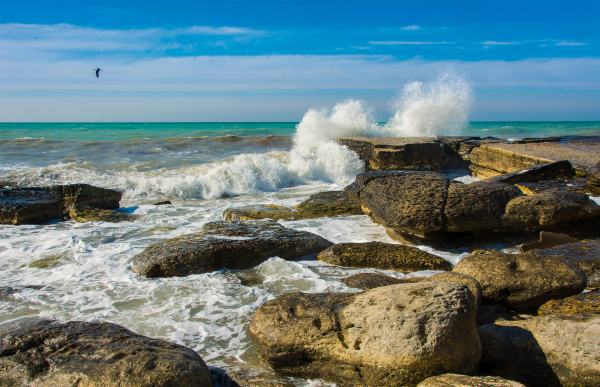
pixel 272 60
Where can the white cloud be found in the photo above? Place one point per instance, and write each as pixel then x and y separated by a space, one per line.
pixel 409 43
pixel 499 43
pixel 570 43
pixel 412 27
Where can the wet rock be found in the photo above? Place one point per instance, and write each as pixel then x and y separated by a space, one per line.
pixel 46 262
pixel 556 170
pixel 522 282
pixel 84 214
pixel 250 278
pixel 478 206
pixel 163 203
pixel 253 377
pixel 418 153
pixel 544 351
pixel 577 185
pixel 410 203
pixel 456 380
pixel 593 181
pixel 551 210
pixel 48 353
pixel 460 279
pixel 232 245
pixel 584 254
pixel 382 256
pixel 549 239
pixel 42 204
pixel 583 303
pixel 259 211
pixel 390 335
pixel 374 280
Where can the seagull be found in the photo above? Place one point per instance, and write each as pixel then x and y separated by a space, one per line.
pixel 97 70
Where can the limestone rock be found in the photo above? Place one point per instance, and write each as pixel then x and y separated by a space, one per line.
pixel 522 281
pixel 593 182
pixel 35 352
pixel 390 335
pixel 583 303
pixel 459 279
pixel 551 171
pixel 584 254
pixel 232 245
pixel 259 211
pixel 328 203
pixel 553 350
pixel 374 280
pixel 456 380
pixel 83 214
pixel 549 239
pixel 382 256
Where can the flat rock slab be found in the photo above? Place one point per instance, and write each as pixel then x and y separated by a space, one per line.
pixel 456 380
pixel 388 336
pixel 37 352
pixel 226 245
pixel 381 255
pixel 553 350
pixel 522 282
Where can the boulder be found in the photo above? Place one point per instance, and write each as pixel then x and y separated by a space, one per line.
pixel 83 214
pixel 460 279
pixel 553 350
pixel 41 204
pixel 548 239
pixel 381 255
pixel 390 335
pixel 522 282
pixel 231 245
pixel 583 303
pixel 550 210
pixel 366 281
pixel 555 170
pixel 456 380
pixel 406 203
pixel 478 206
pixel 37 352
pixel 577 185
pixel 584 254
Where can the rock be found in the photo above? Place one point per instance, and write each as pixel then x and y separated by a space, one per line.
pixel 456 380
pixel 46 262
pixel 407 203
pixel 460 279
pixel 593 181
pixel 390 335
pixel 404 153
pixel 328 203
pixel 584 254
pixel 577 185
pixel 549 210
pixel 83 214
pixel 548 239
pixel 250 278
pixel 491 313
pixel 477 206
pixel 231 245
pixel 47 353
pixel 163 203
pixel 260 211
pixel 374 280
pixel 555 170
pixel 382 256
pixel 544 351
pixel 501 157
pixel 253 377
pixel 580 304
pixel 42 204
pixel 522 282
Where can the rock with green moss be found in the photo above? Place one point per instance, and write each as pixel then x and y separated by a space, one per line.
pixel 83 214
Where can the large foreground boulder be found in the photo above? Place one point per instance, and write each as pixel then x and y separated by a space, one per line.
pixel 456 380
pixel 391 335
pixel 382 256
pixel 36 352
pixel 41 204
pixel 231 245
pixel 544 351
pixel 524 281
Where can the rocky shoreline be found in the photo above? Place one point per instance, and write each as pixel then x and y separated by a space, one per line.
pixel 493 319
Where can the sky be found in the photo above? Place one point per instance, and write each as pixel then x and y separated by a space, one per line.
pixel 272 60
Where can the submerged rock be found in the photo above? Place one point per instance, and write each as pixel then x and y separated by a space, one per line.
pixel 456 380
pixel 46 262
pixel 48 353
pixel 231 245
pixel 41 204
pixel 583 303
pixel 374 280
pixel 522 281
pixel 544 351
pixel 390 335
pixel 584 254
pixel 382 256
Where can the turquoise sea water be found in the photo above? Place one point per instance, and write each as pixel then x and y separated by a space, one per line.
pixel 124 131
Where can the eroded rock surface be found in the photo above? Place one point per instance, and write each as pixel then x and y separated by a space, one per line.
pixel 374 280
pixel 583 303
pixel 232 245
pixel 456 380
pixel 390 335
pixel 584 254
pixel 460 279
pixel 36 352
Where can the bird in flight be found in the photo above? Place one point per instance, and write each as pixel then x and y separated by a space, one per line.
pixel 97 70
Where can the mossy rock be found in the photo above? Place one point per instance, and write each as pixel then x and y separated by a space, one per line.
pixel 90 214
pixel 46 262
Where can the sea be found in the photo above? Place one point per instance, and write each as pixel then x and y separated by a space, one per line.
pixel 203 169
